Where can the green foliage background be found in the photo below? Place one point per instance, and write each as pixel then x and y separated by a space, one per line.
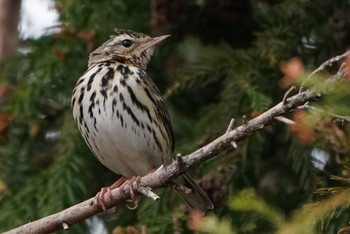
pixel 222 61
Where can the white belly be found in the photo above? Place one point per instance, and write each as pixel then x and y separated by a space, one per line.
pixel 124 136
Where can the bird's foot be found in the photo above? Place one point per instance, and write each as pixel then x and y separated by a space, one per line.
pixel 132 184
pixel 99 198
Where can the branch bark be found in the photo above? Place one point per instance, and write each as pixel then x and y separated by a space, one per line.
pixel 164 175
pixel 9 19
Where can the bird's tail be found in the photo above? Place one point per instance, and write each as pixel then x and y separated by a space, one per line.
pixel 197 198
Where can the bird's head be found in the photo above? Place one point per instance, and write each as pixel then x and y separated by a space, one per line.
pixel 128 46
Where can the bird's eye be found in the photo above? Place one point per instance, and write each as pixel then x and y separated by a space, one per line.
pixel 126 43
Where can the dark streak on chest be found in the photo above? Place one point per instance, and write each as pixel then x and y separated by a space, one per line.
pixel 91 79
pixel 139 104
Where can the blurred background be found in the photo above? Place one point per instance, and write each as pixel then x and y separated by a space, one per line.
pixel 225 59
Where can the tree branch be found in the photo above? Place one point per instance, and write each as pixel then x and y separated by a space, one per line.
pixel 323 66
pixel 164 175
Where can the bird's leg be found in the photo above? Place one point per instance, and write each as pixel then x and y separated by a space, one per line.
pixel 99 198
pixel 115 185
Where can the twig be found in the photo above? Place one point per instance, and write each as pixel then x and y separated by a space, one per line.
pixel 306 106
pixel 284 120
pixel 179 160
pixel 287 94
pixel 335 116
pixel 345 118
pixel 327 63
pixel 147 191
pixel 230 126
pixel 244 120
pixel 342 72
pixel 65 225
pixel 234 145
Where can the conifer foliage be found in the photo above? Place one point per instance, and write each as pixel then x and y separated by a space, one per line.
pixel 225 59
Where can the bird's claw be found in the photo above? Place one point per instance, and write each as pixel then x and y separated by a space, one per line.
pixel 132 184
pixel 99 198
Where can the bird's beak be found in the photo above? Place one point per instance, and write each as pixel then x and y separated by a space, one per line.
pixel 152 42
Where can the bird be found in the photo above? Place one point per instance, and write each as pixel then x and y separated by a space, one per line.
pixel 122 116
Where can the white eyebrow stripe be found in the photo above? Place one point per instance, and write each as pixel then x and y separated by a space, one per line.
pixel 118 39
